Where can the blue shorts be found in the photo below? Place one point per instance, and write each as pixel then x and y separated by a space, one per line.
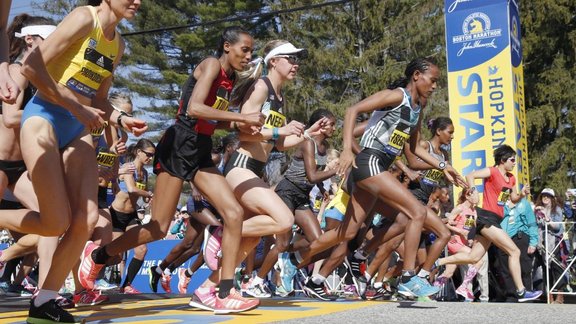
pixel 65 125
pixel 334 213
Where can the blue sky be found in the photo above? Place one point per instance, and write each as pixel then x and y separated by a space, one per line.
pixel 23 6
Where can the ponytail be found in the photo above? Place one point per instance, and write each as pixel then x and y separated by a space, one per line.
pixel 246 80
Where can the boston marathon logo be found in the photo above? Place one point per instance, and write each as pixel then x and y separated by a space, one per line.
pixel 476 33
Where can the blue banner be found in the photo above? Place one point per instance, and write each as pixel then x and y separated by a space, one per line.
pixel 157 251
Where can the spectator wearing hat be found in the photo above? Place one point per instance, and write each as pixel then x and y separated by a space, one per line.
pixel 549 211
pixel 179 227
pixel 519 223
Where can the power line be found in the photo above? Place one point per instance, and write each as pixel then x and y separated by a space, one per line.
pixel 246 17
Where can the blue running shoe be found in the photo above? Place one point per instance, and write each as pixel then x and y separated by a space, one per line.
pixel 529 295
pixel 417 287
pixel 287 271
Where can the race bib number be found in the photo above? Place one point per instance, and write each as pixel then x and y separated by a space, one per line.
pixel 432 177
pixel 97 132
pixel 106 159
pixel 274 119
pixel 396 142
pixel 222 99
pixel 469 223
pixel 141 186
pixel 504 196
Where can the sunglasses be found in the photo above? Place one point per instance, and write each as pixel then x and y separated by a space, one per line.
pixel 148 154
pixel 513 160
pixel 292 59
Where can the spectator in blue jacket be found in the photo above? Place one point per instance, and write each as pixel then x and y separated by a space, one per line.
pixel 519 223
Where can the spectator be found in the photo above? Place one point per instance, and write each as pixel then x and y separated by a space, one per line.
pixel 179 227
pixel 548 211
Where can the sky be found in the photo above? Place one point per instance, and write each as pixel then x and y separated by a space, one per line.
pixel 23 6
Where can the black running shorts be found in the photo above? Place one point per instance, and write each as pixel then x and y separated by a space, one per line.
pixel 239 160
pixel 182 151
pixel 120 221
pixel 293 196
pixel 13 170
pixel 486 219
pixel 371 162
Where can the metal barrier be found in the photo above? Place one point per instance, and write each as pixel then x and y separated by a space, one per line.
pixel 551 257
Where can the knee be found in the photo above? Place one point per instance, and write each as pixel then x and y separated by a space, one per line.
pixel 281 246
pixel 443 234
pixel 157 230
pixel 285 224
pixel 514 253
pixel 419 214
pixel 55 228
pixel 233 216
pixel 141 250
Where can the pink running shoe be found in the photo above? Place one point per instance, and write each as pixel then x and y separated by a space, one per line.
pixel 465 292
pixel 88 270
pixel 2 265
pixel 204 298
pixel 89 298
pixel 212 245
pixel 130 290
pixel 234 303
pixel 183 281
pixel 165 283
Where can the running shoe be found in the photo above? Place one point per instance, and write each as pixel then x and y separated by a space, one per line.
pixel 15 290
pixel 529 295
pixel 381 293
pixel 355 267
pixel 281 292
pixel 259 291
pixel 103 285
pixel 88 298
pixel 129 290
pixel 287 271
pixel 313 290
pixel 165 283
pixel 4 285
pixel 417 287
pixel 234 303
pixel 204 300
pixel 212 245
pixel 183 281
pixel 153 278
pixel 88 271
pixel 440 281
pixel 49 312
pixel 2 265
pixel 465 292
pixel 350 292
pixel 65 303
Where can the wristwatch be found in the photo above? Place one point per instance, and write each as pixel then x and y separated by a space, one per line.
pixel 442 165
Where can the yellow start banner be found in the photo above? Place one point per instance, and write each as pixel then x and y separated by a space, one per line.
pixel 486 84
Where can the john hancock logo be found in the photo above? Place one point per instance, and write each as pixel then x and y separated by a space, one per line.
pixel 476 33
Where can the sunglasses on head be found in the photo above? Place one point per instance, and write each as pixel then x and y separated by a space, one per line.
pixel 292 59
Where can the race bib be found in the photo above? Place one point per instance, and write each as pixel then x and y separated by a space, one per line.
pixel 106 159
pixel 504 196
pixel 469 223
pixel 274 119
pixel 396 143
pixel 141 186
pixel 222 99
pixel 432 177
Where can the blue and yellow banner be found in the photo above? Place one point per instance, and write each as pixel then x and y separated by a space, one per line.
pixel 485 81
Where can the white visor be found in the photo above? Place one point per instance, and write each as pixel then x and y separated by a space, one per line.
pixel 41 30
pixel 284 49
